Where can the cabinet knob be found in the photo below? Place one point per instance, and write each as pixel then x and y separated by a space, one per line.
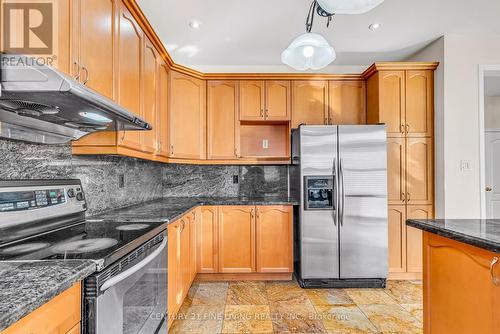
pixel 493 263
pixel 489 189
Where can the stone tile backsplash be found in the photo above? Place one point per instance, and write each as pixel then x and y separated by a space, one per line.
pixel 144 180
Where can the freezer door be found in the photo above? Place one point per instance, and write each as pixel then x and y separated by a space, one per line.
pixel 318 226
pixel 363 207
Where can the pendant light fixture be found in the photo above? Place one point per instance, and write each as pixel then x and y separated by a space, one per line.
pixel 312 51
pixel 348 6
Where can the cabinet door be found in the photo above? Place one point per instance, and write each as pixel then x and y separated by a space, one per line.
pixel 419 103
pixel 162 112
pixel 392 102
pixel 185 241
pixel 419 171
pixel 130 50
pixel 251 100
pixel 460 297
pixel 277 100
pixel 397 238
pixel 274 239
pixel 222 119
pixel 149 91
pixel 347 102
pixel 309 103
pixel 174 275
pixel 396 163
pixel 414 237
pixel 207 238
pixel 187 116
pixel 97 45
pixel 236 239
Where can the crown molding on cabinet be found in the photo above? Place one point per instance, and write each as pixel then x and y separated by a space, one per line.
pixel 138 14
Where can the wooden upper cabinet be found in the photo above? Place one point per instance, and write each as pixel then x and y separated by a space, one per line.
pixel 347 102
pixel 397 238
pixel 207 239
pixel 274 235
pixel 386 101
pixel 252 100
pixel 162 129
pixel 277 101
pixel 419 103
pixel 396 165
pixel 94 37
pixel 149 91
pixel 414 236
pixel 419 171
pixel 309 103
pixel 236 239
pixel 129 74
pixel 223 125
pixel 187 116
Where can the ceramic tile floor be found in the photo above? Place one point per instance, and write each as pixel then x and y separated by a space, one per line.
pixel 283 307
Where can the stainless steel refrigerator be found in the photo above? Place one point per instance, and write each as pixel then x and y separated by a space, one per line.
pixel 339 174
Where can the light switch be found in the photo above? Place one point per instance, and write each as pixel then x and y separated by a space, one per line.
pixel 465 165
pixel 265 143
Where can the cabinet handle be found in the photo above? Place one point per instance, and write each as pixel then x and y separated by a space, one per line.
pixel 489 189
pixel 258 213
pixel 253 214
pixel 172 149
pixel 236 152
pixel 407 127
pixel 261 112
pixel 194 214
pixel 494 279
pixel 183 226
pixel 403 197
pixel 330 120
pixel 267 113
pixel 402 128
pixel 87 75
pixel 326 120
pixel 408 197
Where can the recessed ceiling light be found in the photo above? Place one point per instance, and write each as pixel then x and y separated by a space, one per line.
pixel 374 26
pixel 194 24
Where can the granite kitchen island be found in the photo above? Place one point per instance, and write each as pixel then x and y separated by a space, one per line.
pixel 461 275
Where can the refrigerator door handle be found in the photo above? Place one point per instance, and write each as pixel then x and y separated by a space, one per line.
pixel 336 192
pixel 342 195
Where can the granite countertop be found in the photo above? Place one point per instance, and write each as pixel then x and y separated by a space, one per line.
pixel 25 286
pixel 482 233
pixel 169 209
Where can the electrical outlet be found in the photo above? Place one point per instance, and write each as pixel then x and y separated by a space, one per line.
pixel 121 181
pixel 235 179
pixel 265 144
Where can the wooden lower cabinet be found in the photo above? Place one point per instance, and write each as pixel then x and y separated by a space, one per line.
pixel 207 238
pixel 274 239
pixel 405 242
pixel 459 294
pixel 236 239
pixel 62 314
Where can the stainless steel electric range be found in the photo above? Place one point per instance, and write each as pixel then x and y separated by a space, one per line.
pixel 45 219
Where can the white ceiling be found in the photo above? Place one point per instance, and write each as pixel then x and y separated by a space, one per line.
pixel 252 34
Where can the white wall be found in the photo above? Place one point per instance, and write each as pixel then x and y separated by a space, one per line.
pixel 492 112
pixel 435 52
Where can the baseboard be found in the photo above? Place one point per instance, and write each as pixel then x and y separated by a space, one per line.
pixel 404 276
pixel 245 277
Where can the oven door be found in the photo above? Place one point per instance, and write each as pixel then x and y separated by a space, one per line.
pixel 134 300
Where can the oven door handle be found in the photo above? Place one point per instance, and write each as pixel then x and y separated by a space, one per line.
pixel 129 272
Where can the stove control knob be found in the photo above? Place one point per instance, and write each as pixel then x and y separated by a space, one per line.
pixel 79 196
pixel 71 193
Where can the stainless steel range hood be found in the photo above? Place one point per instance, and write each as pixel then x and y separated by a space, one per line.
pixel 40 104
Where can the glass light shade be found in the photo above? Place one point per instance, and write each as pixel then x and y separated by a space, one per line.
pixel 348 6
pixel 308 51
